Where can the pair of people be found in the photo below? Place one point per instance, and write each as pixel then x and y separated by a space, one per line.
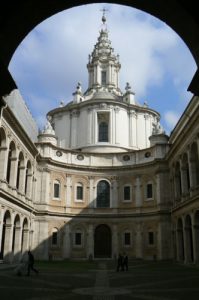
pixel 122 262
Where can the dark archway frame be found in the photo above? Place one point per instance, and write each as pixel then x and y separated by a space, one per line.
pixel 18 18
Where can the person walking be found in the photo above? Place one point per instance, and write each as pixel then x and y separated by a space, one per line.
pixel 31 261
pixel 119 262
pixel 125 262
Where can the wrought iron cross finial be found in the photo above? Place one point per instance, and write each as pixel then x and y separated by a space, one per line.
pixel 104 10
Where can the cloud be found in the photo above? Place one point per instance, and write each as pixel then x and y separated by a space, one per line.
pixel 171 118
pixel 52 58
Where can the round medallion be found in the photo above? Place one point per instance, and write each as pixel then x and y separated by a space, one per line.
pixel 80 157
pixel 147 154
pixel 59 153
pixel 126 157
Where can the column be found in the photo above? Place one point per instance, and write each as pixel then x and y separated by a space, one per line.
pixel 1 226
pixel 90 242
pixel 74 120
pixel 191 164
pixel 130 129
pixel 180 245
pixel 8 243
pixel 115 249
pixel 195 234
pixel 138 199
pixel 113 126
pixel 158 188
pixel 25 240
pixel 34 189
pixel 186 241
pixel 98 75
pixel 29 186
pixel 22 177
pixel 45 186
pixel 42 239
pixel 117 109
pixel 13 171
pixel 3 162
pixel 94 127
pixel 17 241
pixel 89 126
pixel 109 74
pixel 183 175
pixel 66 250
pixel 31 235
pixel 164 240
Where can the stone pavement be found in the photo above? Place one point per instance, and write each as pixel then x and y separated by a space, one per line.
pixel 100 281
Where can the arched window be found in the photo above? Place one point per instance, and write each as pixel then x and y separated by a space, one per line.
pixel 28 179
pixel 54 237
pixel 20 177
pixel 3 153
pixel 103 132
pixel 185 174
pixel 194 163
pixel 11 152
pixel 103 194
pixel 56 189
pixel 178 183
pixel 28 167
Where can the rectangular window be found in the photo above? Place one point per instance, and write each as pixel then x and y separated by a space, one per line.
pixel 127 239
pixel 54 238
pixel 151 238
pixel 103 127
pixel 56 190
pixel 79 192
pixel 78 238
pixel 149 192
pixel 127 193
pixel 103 74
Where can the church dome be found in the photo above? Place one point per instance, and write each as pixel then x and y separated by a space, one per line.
pixel 103 118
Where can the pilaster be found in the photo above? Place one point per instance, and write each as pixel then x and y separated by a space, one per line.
pixel 138 199
pixel 90 241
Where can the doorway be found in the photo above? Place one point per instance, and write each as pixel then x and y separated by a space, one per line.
pixel 102 242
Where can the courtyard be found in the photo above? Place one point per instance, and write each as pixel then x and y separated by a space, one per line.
pixel 99 280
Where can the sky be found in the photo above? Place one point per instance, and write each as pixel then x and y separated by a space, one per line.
pixel 52 59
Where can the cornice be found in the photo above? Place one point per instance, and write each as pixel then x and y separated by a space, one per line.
pixel 15 201
pixel 20 132
pixel 154 163
pixel 92 103
pixel 109 216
